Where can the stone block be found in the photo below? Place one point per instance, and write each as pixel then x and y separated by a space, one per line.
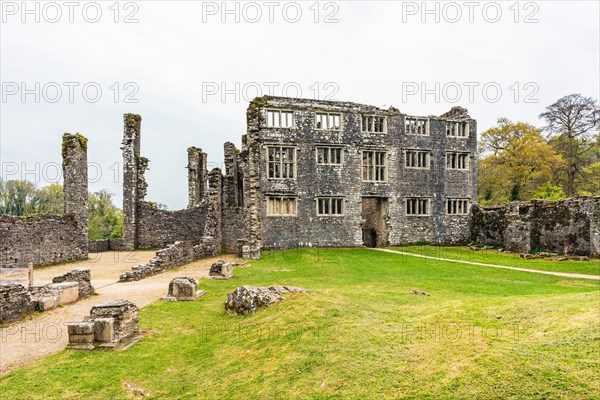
pixel 104 330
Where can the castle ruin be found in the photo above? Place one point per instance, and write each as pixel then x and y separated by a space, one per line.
pixel 310 173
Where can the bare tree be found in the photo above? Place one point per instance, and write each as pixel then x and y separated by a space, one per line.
pixel 572 123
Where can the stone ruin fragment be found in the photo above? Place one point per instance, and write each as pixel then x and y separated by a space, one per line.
pixel 248 299
pixel 112 324
pixel 183 289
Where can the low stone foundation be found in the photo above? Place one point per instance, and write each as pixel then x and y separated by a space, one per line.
pixel 112 324
pixel 81 275
pixel 175 255
pixel 16 299
pixel 48 297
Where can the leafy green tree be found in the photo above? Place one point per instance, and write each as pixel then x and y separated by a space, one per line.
pixel 514 161
pixel 572 124
pixel 548 191
pixel 16 196
pixel 48 200
pixel 591 180
pixel 105 220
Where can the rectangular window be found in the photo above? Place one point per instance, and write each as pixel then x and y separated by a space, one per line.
pixel 457 129
pixel 281 162
pixel 328 121
pixel 330 206
pixel 457 160
pixel 280 119
pixel 457 206
pixel 329 155
pixel 417 206
pixel 416 126
pixel 373 124
pixel 416 159
pixel 374 166
pixel 281 206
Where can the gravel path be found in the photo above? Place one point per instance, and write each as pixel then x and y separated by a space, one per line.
pixel 42 334
pixel 537 271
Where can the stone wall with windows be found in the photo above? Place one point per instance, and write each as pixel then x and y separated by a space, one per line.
pixel 307 149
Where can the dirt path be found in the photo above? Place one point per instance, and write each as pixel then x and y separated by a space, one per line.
pixel 537 271
pixel 46 333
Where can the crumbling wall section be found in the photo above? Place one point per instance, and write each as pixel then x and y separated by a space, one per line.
pixel 48 239
pixel 197 180
pixel 232 198
pixel 570 226
pixel 15 301
pixel 157 228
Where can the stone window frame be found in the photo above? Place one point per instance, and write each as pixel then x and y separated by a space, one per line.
pixel 279 112
pixel 281 163
pixel 417 151
pixel 416 119
pixel 417 198
pixel 457 206
pixel 329 148
pixel 454 132
pixel 375 166
pixel 330 199
pixel 458 154
pixel 329 114
pixel 372 125
pixel 281 199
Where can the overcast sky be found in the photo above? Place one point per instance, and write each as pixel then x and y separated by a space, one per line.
pixel 189 68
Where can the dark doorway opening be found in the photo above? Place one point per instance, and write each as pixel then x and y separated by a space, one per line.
pixel 374 214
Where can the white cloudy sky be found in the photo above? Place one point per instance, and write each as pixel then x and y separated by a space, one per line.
pixel 376 53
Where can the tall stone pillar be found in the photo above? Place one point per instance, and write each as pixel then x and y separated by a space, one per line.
pixel 75 187
pixel 213 228
pixel 196 176
pixel 131 155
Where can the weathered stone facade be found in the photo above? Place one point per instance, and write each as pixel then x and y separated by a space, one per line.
pixel 570 226
pixel 374 210
pixel 48 239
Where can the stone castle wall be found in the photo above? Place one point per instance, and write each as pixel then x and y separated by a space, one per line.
pixel 570 226
pixel 48 239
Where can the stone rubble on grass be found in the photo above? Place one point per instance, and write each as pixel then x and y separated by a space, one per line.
pixel 248 299
pixel 221 270
pixel 112 324
pixel 183 289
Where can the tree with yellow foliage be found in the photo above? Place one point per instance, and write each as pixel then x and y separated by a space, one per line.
pixel 514 163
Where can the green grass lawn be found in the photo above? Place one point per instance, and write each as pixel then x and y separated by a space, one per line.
pixel 483 333
pixel 491 256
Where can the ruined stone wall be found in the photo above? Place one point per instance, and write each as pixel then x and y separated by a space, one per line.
pixel 48 239
pixel 313 180
pixel 174 255
pixel 15 300
pixel 232 199
pixel 157 228
pixel 570 226
pixel 99 246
